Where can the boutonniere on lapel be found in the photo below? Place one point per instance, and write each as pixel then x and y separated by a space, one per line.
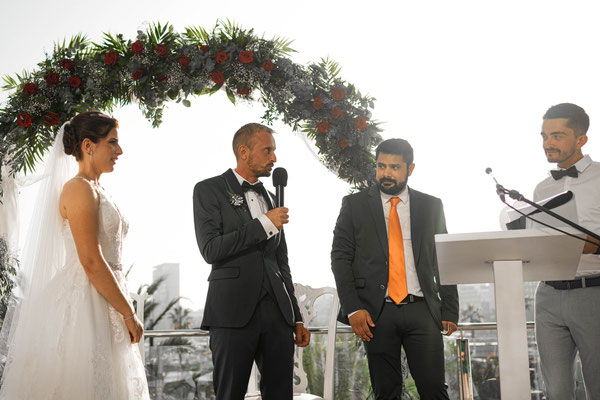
pixel 235 199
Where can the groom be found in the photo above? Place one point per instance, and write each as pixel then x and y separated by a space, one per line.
pixel 251 310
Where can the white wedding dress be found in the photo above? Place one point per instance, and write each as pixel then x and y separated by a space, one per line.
pixel 77 346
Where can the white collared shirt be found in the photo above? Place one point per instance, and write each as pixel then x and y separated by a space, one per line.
pixel 258 208
pixel 586 188
pixel 403 210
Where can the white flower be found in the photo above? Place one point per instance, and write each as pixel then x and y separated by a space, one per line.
pixel 235 199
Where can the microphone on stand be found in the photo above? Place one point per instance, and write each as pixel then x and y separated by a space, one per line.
pixel 499 188
pixel 280 178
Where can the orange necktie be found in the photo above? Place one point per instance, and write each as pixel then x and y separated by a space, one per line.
pixel 397 290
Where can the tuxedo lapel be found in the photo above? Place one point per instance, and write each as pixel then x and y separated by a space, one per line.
pixel 234 188
pixel 269 200
pixel 416 225
pixel 374 200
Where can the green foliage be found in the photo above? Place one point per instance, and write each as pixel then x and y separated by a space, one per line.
pixel 116 43
pixel 8 272
pixel 196 35
pixel 282 46
pixel 187 63
pixel 332 69
pixel 161 34
pixel 11 83
pixel 77 42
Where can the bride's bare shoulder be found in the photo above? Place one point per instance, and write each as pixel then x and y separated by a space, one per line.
pixel 79 186
pixel 77 191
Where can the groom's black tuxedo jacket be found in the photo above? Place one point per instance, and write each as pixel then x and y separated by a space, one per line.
pixel 237 247
pixel 360 253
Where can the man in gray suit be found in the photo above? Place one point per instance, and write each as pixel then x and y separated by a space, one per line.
pixel 389 289
pixel 251 310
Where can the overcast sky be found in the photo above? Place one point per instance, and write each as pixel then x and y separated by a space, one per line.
pixel 466 82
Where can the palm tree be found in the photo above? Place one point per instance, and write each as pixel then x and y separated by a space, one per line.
pixel 150 304
pixel 180 318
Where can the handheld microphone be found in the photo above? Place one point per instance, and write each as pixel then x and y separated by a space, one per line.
pixel 499 188
pixel 280 178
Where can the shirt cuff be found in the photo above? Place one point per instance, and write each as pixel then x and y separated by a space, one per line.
pixel 270 229
pixel 352 313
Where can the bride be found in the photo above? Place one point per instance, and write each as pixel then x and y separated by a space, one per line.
pixel 71 333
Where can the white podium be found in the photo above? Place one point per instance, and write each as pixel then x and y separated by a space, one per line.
pixel 507 259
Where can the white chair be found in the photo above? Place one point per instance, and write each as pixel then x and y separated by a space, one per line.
pixel 307 296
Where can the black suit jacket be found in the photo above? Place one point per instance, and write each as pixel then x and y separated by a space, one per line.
pixel 360 253
pixel 237 247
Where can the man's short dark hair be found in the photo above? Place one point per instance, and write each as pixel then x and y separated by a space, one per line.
pixel 245 134
pixel 577 119
pixel 399 147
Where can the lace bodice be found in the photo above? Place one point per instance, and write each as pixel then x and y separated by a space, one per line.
pixel 112 229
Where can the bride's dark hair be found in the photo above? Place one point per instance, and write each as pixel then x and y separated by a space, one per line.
pixel 92 125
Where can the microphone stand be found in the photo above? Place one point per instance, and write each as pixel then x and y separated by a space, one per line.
pixel 515 195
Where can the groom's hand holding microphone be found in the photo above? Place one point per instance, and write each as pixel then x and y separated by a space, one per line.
pixel 279 217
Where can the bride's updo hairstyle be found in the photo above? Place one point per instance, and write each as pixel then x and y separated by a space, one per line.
pixel 92 125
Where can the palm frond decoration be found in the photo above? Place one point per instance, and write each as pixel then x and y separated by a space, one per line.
pixel 197 35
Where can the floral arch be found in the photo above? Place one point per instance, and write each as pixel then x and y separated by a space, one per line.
pixel 161 65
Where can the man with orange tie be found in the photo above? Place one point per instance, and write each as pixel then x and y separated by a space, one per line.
pixel 384 262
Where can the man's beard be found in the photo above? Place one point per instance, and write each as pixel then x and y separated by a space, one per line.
pixel 395 189
pixel 558 156
pixel 260 171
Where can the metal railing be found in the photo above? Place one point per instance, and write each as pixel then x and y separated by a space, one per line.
pixel 463 352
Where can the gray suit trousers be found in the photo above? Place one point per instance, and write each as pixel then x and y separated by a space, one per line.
pixel 568 322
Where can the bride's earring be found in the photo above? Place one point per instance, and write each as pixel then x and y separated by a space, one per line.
pixel 91 154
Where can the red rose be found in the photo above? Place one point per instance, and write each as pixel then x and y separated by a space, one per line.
pixel 337 94
pixel 74 81
pixel 110 58
pixel 221 57
pixel 246 57
pixel 183 60
pixel 162 78
pixel 360 123
pixel 204 49
pixel 337 113
pixel 24 120
pixel 52 79
pixel 317 103
pixel 322 126
pixel 161 51
pixel 217 77
pixel 343 143
pixel 268 66
pixel 137 47
pixel 244 91
pixel 51 118
pixel 137 74
pixel 67 64
pixel 30 89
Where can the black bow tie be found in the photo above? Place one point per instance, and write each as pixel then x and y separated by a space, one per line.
pixel 257 187
pixel 559 173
